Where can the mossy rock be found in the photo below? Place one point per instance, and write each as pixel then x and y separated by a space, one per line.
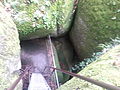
pixel 65 55
pixel 96 22
pixel 106 69
pixel 61 77
pixel 9 51
pixel 40 18
pixel 64 51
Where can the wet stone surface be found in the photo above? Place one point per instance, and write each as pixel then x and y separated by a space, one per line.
pixel 35 53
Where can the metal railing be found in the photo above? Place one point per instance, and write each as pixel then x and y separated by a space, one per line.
pixel 12 87
pixel 98 83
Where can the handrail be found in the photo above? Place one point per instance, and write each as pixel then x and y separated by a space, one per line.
pixel 12 87
pixel 99 83
pixel 53 59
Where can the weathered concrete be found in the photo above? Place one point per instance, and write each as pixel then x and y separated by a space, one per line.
pixel 37 52
pixel 38 82
pixel 34 52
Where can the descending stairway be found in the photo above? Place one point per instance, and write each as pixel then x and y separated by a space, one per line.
pixel 39 54
pixel 38 82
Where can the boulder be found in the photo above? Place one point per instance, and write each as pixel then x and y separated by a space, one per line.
pixel 61 64
pixel 65 55
pixel 106 69
pixel 64 51
pixel 40 18
pixel 9 50
pixel 96 22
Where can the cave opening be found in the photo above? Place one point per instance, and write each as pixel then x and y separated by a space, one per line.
pixel 36 52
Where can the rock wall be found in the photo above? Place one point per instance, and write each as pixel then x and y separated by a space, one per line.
pixel 106 69
pixel 40 18
pixel 9 50
pixel 65 55
pixel 65 51
pixel 96 21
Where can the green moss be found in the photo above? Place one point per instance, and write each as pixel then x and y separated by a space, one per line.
pixel 44 15
pixel 28 22
pixel 102 18
pixel 96 22
pixel 102 69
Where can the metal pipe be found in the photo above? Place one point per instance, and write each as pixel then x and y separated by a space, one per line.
pixel 12 87
pixel 99 83
pixel 53 58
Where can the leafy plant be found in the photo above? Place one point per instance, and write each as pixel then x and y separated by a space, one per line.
pixel 105 47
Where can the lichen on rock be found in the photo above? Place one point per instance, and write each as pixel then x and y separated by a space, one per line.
pixel 9 50
pixel 103 69
pixel 40 18
pixel 96 22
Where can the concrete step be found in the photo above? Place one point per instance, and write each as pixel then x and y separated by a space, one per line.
pixel 38 82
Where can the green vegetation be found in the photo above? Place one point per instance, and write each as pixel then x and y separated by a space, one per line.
pixel 105 47
pixel 42 17
pixel 96 22
pixel 103 69
pixel 102 18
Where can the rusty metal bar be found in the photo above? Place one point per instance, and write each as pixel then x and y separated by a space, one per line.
pixel 12 87
pixel 53 59
pixel 99 83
